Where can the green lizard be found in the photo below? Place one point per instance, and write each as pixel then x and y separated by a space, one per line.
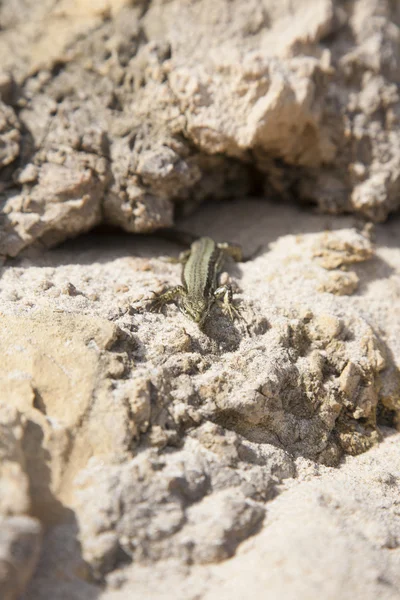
pixel 202 265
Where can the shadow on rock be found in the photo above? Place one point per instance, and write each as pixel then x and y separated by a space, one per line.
pixel 61 571
pixel 371 270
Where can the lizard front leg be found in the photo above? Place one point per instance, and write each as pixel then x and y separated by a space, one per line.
pixel 223 296
pixel 170 295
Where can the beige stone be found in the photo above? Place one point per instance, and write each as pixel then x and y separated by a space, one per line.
pixel 218 100
pixel 256 458
pixel 55 370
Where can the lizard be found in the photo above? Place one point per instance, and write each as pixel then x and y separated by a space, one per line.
pixel 200 289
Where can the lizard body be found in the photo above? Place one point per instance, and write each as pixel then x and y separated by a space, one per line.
pixel 202 266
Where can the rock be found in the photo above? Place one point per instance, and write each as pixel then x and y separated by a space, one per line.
pixel 14 496
pixel 29 174
pixel 7 87
pixel 150 451
pixel 20 541
pixel 10 135
pixel 43 212
pixel 125 114
pixel 321 527
pixel 51 374
pixel 62 571
pixel 318 536
pixel 193 504
pixel 20 535
pixel 155 442
pixel 339 248
pixel 340 283
pixel 217 525
pixel 293 400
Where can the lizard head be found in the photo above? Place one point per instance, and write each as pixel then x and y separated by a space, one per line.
pixel 196 311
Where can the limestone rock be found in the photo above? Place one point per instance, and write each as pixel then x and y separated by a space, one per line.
pixel 20 535
pixel 20 541
pixel 149 444
pixel 150 451
pixel 57 370
pixel 130 110
pixel 318 539
pixel 10 135
pixel 340 283
pixel 295 400
pixel 7 87
pixel 196 504
pixel 340 248
pixel 321 527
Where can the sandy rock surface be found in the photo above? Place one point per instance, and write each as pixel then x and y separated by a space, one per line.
pixel 139 455
pixel 117 112
pixel 151 449
pixel 20 534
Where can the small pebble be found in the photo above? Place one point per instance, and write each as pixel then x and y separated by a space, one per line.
pixel 70 290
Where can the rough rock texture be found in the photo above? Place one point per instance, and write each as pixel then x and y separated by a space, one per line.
pixel 20 535
pixel 20 539
pixel 331 533
pixel 139 456
pixel 9 135
pixel 121 111
pixel 153 447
